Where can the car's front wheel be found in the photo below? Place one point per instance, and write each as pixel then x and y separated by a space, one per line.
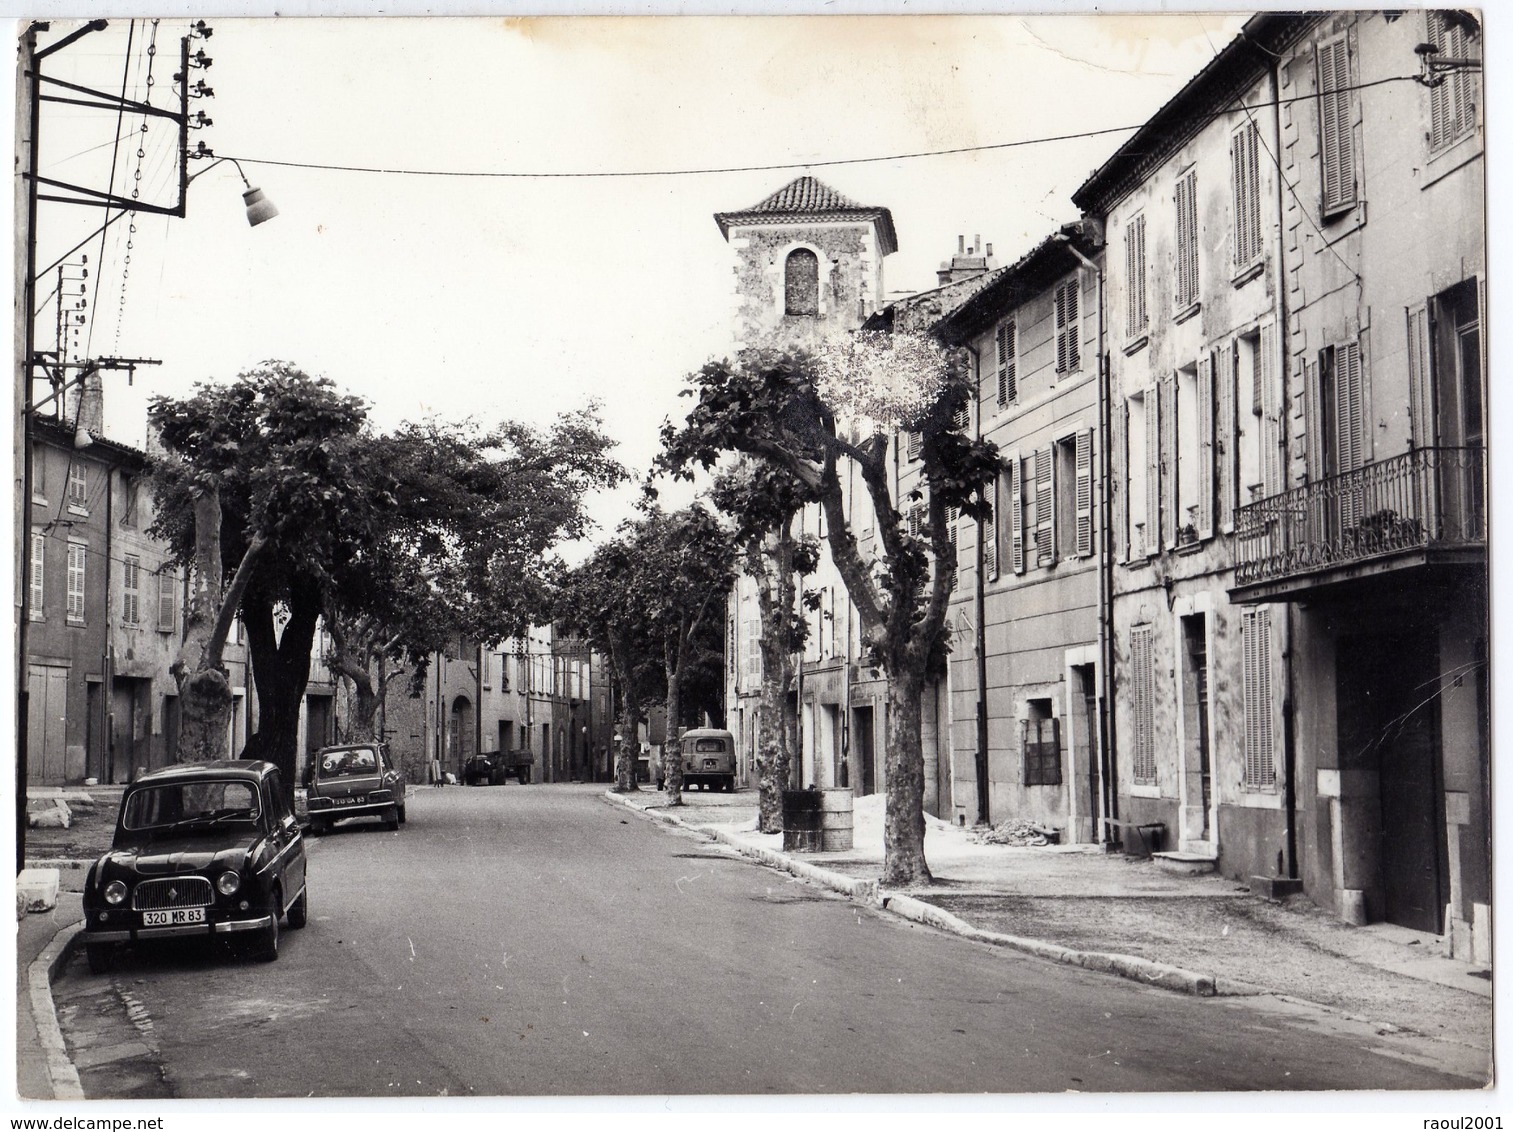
pixel 401 815
pixel 391 819
pixel 101 956
pixel 267 943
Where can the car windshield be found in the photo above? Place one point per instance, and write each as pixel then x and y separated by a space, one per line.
pixel 357 760
pixel 188 804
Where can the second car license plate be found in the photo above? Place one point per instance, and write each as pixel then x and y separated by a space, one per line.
pixel 354 800
pixel 173 916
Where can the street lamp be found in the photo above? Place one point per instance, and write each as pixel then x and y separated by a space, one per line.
pixel 259 207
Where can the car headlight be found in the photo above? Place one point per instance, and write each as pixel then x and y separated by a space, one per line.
pixel 228 882
pixel 115 892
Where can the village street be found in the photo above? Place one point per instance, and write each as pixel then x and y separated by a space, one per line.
pixel 539 940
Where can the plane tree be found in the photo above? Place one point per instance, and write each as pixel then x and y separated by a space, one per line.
pixel 809 414
pixel 762 501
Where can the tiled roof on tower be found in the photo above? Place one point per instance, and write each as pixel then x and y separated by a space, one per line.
pixel 807 198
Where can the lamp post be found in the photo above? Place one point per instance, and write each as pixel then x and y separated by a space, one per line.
pixel 27 361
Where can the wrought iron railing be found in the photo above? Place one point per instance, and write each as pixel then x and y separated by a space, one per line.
pixel 1430 497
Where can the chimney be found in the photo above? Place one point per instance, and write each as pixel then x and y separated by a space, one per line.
pixel 89 414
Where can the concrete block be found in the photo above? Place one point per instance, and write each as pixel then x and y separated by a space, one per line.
pixel 56 816
pixel 1275 889
pixel 1353 906
pixel 39 887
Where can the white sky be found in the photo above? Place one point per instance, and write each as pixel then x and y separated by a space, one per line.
pixel 522 298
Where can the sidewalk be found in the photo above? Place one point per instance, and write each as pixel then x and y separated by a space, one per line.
pixel 43 1071
pixel 1076 902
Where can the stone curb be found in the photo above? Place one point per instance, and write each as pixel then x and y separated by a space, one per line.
pixel 1146 971
pixel 61 1073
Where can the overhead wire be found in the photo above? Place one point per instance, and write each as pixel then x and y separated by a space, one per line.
pixel 778 166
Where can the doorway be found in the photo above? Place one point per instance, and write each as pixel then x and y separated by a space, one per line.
pixel 1198 791
pixel 1083 708
pixel 863 742
pixel 1388 721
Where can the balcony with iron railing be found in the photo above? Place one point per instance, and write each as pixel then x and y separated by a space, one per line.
pixel 1424 507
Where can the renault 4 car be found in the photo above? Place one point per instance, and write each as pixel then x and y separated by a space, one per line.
pixel 206 850
pixel 354 780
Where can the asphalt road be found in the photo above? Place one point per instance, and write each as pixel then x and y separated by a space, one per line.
pixel 539 940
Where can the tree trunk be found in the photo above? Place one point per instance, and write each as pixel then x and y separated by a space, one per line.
pixel 281 671
pixel 672 749
pixel 205 699
pixel 629 717
pixel 772 749
pixel 904 820
pixel 364 711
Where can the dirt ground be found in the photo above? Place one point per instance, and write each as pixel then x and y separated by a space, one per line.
pixel 88 836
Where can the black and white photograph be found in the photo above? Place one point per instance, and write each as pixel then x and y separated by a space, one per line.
pixel 752 560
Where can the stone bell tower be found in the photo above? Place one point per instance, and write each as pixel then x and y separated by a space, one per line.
pixel 809 264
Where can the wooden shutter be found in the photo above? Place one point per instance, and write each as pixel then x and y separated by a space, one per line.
pixel 1142 706
pixel 1084 466
pixel 989 535
pixel 915 441
pixel 1260 762
pixel 1152 471
pixel 1271 413
pixel 1349 407
pixel 916 520
pixel 1336 140
pixel 1008 378
pixel 1187 239
pixel 1167 430
pixel 1068 353
pixel 1206 445
pixel 38 572
pixel 1226 445
pixel 1245 183
pixel 1422 432
pixel 1045 496
pixel 1314 417
pixel 1016 515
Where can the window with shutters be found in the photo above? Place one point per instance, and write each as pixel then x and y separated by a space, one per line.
pixel 915 443
pixel 77 557
pixel 1342 391
pixel 1336 126
pixel 1186 273
pixel 1248 411
pixel 1082 496
pixel 1245 192
pixel 751 655
pixel 1255 644
pixel 38 579
pixel 961 416
pixel 1141 538
pixel 801 283
pixel 1195 451
pixel 1068 327
pixel 1143 703
pixel 953 516
pixel 1136 310
pixel 1043 499
pixel 1008 364
pixel 78 489
pixel 167 598
pixel 917 521
pixel 1452 103
pixel 130 491
pixel 131 589
pixel 1064 483
pixel 1040 744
